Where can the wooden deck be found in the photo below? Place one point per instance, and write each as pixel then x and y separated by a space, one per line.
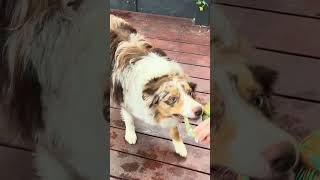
pixel 153 157
pixel 285 34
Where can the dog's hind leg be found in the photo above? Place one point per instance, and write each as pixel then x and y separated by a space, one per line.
pixel 178 144
pixel 130 134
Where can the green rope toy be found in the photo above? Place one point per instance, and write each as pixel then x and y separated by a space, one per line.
pixel 205 116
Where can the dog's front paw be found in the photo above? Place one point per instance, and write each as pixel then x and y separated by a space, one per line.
pixel 131 137
pixel 180 148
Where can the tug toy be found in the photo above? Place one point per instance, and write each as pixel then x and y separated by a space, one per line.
pixel 309 166
pixel 310 158
pixel 205 116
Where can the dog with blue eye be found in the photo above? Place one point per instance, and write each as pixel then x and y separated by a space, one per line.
pixel 148 85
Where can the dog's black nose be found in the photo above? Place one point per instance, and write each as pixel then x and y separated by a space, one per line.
pixel 197 111
pixel 282 157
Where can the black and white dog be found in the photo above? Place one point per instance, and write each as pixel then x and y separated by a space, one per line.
pixel 52 73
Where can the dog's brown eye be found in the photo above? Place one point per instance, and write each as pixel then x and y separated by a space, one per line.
pixel 259 101
pixel 190 93
pixel 74 4
pixel 172 100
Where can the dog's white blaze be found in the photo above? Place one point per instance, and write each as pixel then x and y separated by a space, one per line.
pixel 188 103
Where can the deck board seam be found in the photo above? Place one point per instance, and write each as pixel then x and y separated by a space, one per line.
pixel 200 78
pixel 296 98
pixel 178 41
pixel 184 42
pixel 16 147
pixel 288 53
pixel 267 10
pixel 197 65
pixel 183 52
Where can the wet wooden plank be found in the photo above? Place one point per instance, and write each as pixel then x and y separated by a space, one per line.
pixel 132 167
pixel 203 86
pixel 276 31
pixel 297 76
pixel 161 150
pixel 144 128
pixel 181 47
pixel 196 71
pixel 15 164
pixel 298 7
pixel 171 29
pixel 191 59
pixel 300 118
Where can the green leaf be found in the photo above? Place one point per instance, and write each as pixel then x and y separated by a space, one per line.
pixel 201 8
pixel 198 2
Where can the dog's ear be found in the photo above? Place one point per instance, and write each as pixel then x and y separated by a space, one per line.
pixel 158 51
pixel 193 86
pixel 264 75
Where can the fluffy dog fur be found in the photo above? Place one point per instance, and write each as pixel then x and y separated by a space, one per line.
pixel 147 85
pixel 52 73
pixel 245 139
